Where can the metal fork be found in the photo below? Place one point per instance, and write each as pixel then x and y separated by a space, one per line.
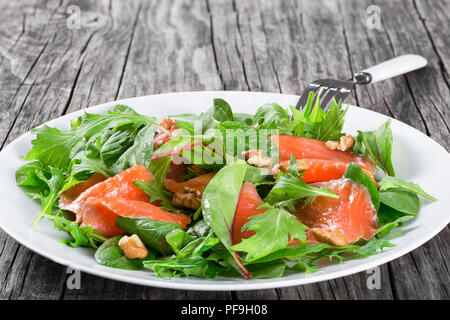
pixel 326 89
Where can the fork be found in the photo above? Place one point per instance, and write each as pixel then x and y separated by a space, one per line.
pixel 326 89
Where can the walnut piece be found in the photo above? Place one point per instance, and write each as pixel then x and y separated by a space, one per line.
pixel 188 198
pixel 301 165
pixel 344 144
pixel 331 236
pixel 169 124
pixel 256 158
pixel 132 247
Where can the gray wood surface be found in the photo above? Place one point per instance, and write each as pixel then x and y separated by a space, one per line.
pixel 132 48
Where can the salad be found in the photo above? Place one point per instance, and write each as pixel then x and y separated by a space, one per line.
pixel 220 194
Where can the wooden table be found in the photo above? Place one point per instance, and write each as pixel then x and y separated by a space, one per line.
pixel 133 48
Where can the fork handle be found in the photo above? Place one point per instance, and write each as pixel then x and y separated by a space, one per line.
pixel 391 68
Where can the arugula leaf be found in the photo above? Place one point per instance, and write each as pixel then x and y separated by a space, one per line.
pixel 57 148
pixel 378 146
pixel 313 122
pixel 55 186
pixel 395 183
pixel 273 230
pixel 219 202
pixel 156 192
pixel 195 266
pixel 355 173
pixel 290 187
pixel 81 236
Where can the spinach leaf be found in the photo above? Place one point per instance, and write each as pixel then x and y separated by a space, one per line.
pixel 395 183
pixel 401 200
pixel 378 146
pixel 113 142
pixel 159 168
pixel 139 153
pixel 389 218
pixel 219 202
pixel 268 270
pixel 243 118
pixel 89 160
pixel 355 173
pixel 273 230
pixel 109 254
pixel 270 116
pixel 151 232
pixel 222 110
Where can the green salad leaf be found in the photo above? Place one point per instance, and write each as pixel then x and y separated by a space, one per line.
pixel 81 236
pixel 389 183
pixel 57 148
pixel 314 123
pixel 151 232
pixel 219 202
pixel 290 187
pixel 355 173
pixel 273 230
pixel 157 192
pixel 109 254
pixel 378 146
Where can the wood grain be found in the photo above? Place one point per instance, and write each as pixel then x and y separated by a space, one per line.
pixel 133 48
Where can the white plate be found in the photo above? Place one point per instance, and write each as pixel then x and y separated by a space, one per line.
pixel 416 158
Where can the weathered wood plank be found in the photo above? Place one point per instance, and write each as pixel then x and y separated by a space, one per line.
pixel 419 99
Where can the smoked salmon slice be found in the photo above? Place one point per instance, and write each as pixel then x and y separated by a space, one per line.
pixel 248 201
pixel 305 148
pixel 121 185
pixel 71 194
pixel 197 183
pixel 98 216
pixel 318 170
pixel 140 209
pixel 342 220
pixel 101 213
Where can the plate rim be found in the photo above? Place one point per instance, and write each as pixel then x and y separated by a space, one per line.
pixel 221 286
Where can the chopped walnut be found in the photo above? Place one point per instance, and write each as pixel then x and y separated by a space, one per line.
pixel 132 247
pixel 344 144
pixel 256 158
pixel 169 124
pixel 301 164
pixel 188 198
pixel 332 236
